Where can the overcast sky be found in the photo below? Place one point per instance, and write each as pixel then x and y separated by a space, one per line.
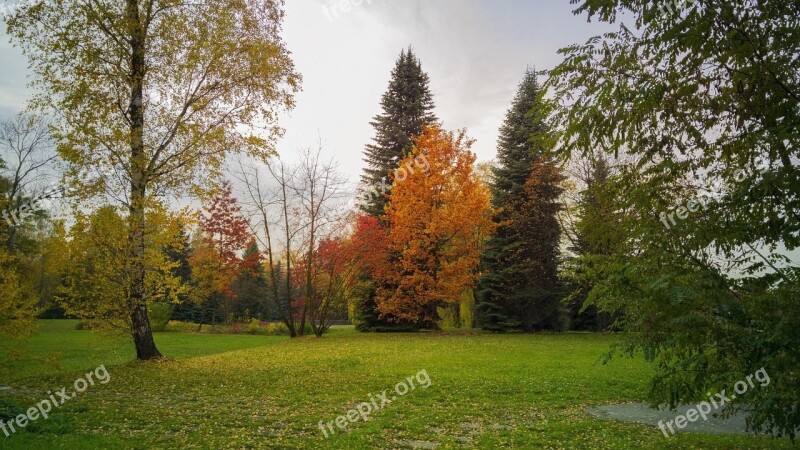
pixel 475 51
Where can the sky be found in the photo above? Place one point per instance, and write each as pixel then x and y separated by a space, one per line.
pixel 475 52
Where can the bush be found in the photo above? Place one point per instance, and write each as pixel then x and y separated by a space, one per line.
pixel 159 314
pixel 181 327
pixel 256 327
pixel 277 329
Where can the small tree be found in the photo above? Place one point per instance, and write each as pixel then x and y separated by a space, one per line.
pixel 335 269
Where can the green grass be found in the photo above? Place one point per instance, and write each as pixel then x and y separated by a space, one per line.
pixel 487 391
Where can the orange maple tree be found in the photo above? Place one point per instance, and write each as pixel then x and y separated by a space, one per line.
pixel 437 220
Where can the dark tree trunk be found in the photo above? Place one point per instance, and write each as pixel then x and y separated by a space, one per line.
pixel 140 324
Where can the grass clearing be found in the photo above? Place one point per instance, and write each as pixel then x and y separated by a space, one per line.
pixel 216 391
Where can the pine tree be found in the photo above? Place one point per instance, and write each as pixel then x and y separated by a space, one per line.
pixel 180 252
pixel 251 287
pixel 594 237
pixel 536 223
pixel 407 107
pixel 505 289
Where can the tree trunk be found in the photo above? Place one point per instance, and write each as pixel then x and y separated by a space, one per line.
pixel 140 324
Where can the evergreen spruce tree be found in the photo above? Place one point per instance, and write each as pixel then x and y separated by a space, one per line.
pixel 186 310
pixel 595 236
pixel 251 287
pixel 509 290
pixel 407 106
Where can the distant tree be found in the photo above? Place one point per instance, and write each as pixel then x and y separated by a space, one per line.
pixel 274 212
pixel 29 153
pixel 335 272
pixel 537 226
pixel 227 236
pixel 210 279
pixel 179 252
pixel 407 106
pixel 434 218
pixel 251 288
pixel 705 99
pixel 19 251
pixel 155 94
pixel 371 251
pixel 508 291
pixel 301 207
pixel 592 229
pixel 319 190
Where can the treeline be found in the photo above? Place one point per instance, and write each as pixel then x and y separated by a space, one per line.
pixel 436 242
pixel 475 246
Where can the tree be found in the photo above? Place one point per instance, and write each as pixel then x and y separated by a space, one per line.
pixel 263 201
pixel 371 251
pixel 19 246
pixel 706 100
pixel 180 253
pixel 17 306
pixel 307 199
pixel 209 277
pixel 156 94
pixel 591 226
pixel 335 269
pixel 226 236
pixel 407 106
pixel 28 150
pixel 536 223
pixel 251 288
pixel 97 272
pixel 318 188
pixel 434 218
pixel 508 288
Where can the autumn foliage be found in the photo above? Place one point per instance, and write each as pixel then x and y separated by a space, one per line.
pixel 225 235
pixel 436 220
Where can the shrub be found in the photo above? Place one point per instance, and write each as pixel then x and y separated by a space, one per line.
pixel 254 327
pixel 278 329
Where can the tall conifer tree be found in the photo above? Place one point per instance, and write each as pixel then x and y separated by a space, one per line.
pixel 514 292
pixel 407 107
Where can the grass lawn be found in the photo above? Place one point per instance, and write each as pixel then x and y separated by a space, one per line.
pixel 216 391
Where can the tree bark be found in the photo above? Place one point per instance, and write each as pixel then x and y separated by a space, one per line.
pixel 140 323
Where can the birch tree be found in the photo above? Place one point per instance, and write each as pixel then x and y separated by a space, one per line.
pixel 155 93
